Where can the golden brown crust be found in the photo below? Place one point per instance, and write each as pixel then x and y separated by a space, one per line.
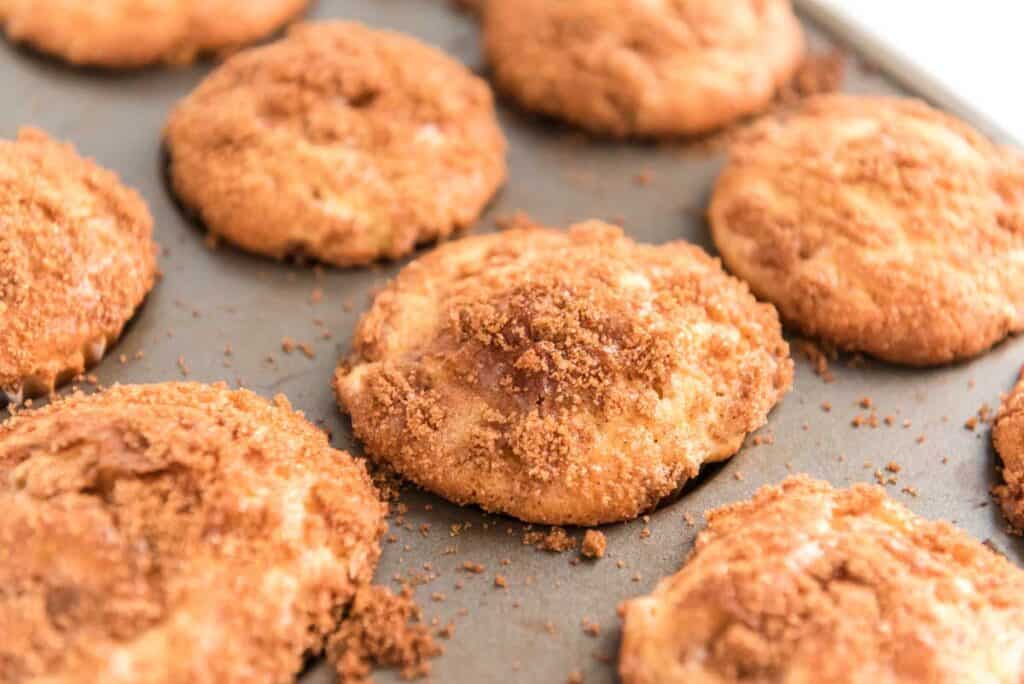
pixel 1008 439
pixel 175 533
pixel 340 143
pixel 76 260
pixel 879 225
pixel 561 377
pixel 660 68
pixel 805 583
pixel 128 33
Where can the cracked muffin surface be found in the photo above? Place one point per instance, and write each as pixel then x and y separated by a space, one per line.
pixel 136 33
pixel 77 259
pixel 878 225
pixel 339 143
pixel 806 583
pixel 175 533
pixel 643 68
pixel 561 377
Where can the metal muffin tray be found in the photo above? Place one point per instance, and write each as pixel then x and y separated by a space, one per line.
pixel 213 299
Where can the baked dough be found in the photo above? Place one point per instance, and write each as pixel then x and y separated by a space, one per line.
pixel 175 533
pixel 339 143
pixel 133 33
pixel 643 67
pixel 878 225
pixel 76 260
pixel 561 377
pixel 1008 439
pixel 806 583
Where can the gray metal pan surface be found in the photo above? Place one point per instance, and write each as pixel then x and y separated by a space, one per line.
pixel 531 631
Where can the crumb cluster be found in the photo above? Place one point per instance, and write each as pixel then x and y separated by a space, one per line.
pixel 382 629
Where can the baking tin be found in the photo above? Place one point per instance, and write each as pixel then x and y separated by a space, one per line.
pixel 530 631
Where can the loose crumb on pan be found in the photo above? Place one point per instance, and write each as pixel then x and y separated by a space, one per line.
pixel 594 544
pixel 388 483
pixel 818 357
pixel 382 629
pixel 557 540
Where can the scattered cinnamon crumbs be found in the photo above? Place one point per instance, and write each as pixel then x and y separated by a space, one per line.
pixel 818 357
pixel 556 540
pixel 590 627
pixel 381 629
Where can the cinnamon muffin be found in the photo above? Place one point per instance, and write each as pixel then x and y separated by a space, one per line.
pixel 77 258
pixel 339 143
pixel 878 225
pixel 175 533
pixel 652 68
pixel 561 377
pixel 123 34
pixel 806 583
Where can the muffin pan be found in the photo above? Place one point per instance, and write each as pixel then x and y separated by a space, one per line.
pixel 219 314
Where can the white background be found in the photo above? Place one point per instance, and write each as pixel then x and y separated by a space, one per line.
pixel 969 55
